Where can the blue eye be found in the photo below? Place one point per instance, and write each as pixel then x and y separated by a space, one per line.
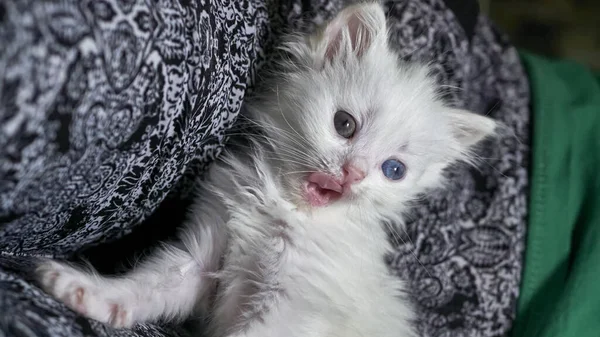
pixel 393 169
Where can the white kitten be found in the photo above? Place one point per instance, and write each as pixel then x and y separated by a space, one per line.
pixel 286 238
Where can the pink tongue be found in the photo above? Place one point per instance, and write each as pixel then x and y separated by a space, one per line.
pixel 325 181
pixel 322 188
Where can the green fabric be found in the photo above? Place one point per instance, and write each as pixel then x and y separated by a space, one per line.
pixel 560 290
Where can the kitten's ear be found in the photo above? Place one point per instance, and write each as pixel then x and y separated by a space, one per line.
pixel 469 128
pixel 354 30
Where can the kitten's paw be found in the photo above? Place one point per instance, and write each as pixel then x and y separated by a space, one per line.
pixel 84 293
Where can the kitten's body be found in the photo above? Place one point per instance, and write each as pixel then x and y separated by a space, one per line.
pixel 289 272
pixel 286 238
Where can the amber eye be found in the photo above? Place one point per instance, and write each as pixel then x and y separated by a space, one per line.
pixel 344 123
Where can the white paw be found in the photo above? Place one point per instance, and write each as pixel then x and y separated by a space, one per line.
pixel 84 293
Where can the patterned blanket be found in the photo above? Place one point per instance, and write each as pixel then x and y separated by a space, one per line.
pixel 111 109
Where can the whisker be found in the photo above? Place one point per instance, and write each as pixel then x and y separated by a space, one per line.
pixel 283 115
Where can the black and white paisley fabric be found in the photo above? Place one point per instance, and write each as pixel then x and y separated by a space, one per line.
pixel 110 108
pixel 107 107
pixel 105 104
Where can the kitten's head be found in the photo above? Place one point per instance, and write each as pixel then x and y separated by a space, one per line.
pixel 351 123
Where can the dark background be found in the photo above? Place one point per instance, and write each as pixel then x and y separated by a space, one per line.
pixel 567 29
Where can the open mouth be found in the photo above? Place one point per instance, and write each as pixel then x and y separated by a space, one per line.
pixel 322 189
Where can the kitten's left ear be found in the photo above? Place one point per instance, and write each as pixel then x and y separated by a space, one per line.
pixel 354 30
pixel 469 128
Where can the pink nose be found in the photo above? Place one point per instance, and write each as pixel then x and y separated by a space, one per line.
pixel 352 175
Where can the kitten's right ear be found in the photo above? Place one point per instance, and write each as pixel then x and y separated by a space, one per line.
pixel 353 31
pixel 469 128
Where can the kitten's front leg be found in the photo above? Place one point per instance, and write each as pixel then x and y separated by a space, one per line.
pixel 169 285
pixel 173 283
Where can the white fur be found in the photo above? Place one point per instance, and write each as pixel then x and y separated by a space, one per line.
pixel 254 258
